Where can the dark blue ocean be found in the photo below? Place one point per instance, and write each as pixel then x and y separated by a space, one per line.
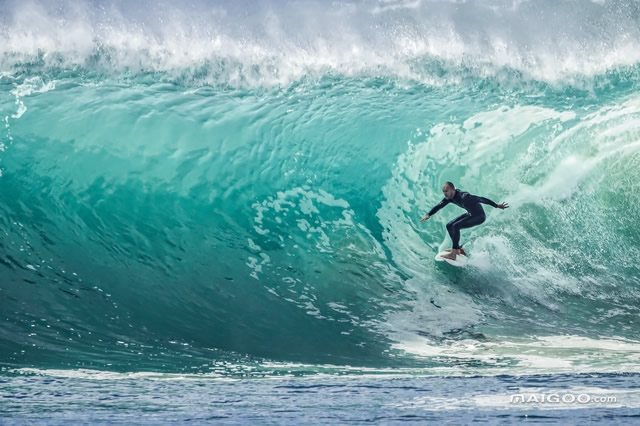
pixel 210 211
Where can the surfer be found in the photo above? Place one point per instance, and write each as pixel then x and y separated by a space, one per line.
pixel 474 216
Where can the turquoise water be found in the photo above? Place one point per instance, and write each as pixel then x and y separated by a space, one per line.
pixel 235 190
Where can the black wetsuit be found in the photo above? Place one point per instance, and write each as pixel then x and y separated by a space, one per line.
pixel 474 216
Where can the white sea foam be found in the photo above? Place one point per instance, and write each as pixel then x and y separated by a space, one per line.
pixel 266 43
pixel 537 355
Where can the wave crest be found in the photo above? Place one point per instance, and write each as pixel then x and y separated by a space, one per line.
pixel 274 43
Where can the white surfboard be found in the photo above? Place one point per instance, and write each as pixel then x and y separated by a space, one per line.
pixel 460 262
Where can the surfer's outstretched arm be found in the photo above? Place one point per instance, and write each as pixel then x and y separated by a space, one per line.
pixel 437 207
pixel 484 200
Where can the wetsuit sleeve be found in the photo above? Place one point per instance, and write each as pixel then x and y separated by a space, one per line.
pixel 438 206
pixel 485 201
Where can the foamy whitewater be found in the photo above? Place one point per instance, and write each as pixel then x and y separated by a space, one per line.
pixel 211 193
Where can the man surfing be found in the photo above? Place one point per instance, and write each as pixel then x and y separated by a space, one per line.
pixel 474 216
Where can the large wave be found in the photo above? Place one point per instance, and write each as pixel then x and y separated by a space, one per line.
pixel 235 181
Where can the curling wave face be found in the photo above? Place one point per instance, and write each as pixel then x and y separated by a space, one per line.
pixel 233 182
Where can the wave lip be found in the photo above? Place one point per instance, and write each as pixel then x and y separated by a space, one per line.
pixel 276 43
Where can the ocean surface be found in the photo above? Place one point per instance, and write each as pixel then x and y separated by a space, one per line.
pixel 210 211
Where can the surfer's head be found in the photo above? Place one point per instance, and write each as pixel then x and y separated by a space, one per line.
pixel 448 190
